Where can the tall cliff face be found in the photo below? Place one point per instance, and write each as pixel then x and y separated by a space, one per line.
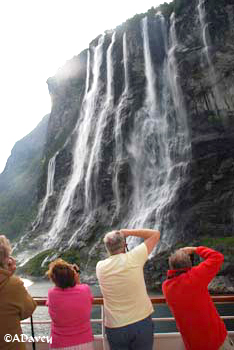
pixel 18 182
pixel 206 75
pixel 141 133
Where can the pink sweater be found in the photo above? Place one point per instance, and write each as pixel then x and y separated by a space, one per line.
pixel 70 311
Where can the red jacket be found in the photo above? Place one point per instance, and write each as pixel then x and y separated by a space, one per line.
pixel 189 300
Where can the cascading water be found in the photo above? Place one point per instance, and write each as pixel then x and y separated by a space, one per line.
pixel 181 133
pixel 98 138
pixel 159 152
pixel 148 147
pixel 49 191
pixel 216 102
pixel 87 73
pixel 153 151
pixel 81 149
pixel 119 142
pixel 130 164
pixel 24 255
pixel 125 61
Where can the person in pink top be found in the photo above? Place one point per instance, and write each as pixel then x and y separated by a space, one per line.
pixel 70 305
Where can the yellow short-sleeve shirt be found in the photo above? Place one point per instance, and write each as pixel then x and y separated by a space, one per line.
pixel 122 283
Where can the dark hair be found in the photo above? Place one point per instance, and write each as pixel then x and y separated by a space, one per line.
pixel 62 274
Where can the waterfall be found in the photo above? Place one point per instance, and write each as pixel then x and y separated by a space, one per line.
pixel 172 67
pixel 93 166
pixel 148 148
pixel 49 191
pixel 159 149
pixel 83 131
pixel 216 101
pixel 177 96
pixel 204 29
pixel 125 61
pixel 155 153
pixel 87 73
pixel 119 142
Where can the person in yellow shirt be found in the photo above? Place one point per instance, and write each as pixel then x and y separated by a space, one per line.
pixel 127 305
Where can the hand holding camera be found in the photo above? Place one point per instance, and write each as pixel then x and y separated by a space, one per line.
pixel 11 264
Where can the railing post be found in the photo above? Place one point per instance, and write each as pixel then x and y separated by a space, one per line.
pixel 32 332
pixel 103 328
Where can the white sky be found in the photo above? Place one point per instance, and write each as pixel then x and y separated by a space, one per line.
pixel 36 38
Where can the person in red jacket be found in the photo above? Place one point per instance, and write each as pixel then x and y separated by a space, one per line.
pixel 186 292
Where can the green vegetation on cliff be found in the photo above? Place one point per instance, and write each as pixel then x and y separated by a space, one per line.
pixel 218 241
pixel 18 182
pixel 34 266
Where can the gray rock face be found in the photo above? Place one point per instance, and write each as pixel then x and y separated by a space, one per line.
pixel 208 91
pixel 221 285
pixel 143 123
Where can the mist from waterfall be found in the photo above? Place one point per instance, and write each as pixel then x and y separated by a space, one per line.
pixel 81 150
pixel 159 150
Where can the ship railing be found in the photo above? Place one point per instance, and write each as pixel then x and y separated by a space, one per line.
pixel 156 300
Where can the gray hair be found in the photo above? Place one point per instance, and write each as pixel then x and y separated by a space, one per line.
pixel 5 250
pixel 114 242
pixel 179 259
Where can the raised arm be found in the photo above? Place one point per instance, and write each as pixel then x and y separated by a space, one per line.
pixel 206 270
pixel 151 237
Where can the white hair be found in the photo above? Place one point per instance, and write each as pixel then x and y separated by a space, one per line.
pixel 114 242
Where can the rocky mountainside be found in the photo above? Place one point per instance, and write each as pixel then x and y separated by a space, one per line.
pixel 18 182
pixel 141 134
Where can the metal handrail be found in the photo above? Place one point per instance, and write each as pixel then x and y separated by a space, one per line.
pixel 224 299
pixel 41 301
